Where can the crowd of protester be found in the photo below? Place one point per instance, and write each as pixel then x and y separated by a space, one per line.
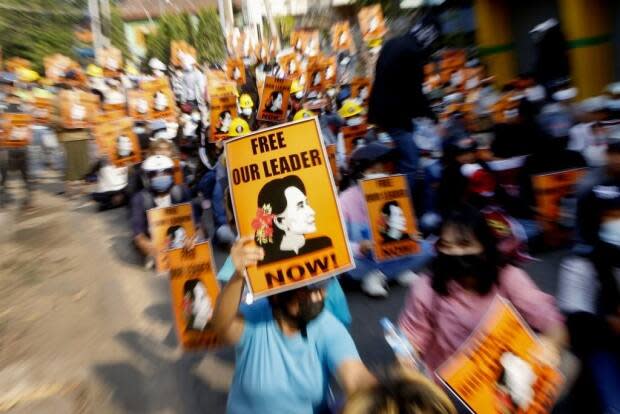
pixel 470 149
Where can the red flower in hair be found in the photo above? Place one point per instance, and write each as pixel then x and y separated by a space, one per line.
pixel 262 224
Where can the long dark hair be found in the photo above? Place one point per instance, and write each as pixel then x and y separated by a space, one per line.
pixel 468 220
pixel 272 194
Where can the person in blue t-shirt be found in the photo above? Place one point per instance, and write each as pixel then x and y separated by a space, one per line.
pixel 286 352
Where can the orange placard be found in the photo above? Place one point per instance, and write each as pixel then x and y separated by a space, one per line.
pixel 306 42
pixel 43 108
pixel 235 70
pixel 502 347
pixel 274 99
pixel 77 109
pixel 223 111
pixel 342 40
pixel 290 64
pixel 57 66
pixel 353 137
pixel 331 71
pixel 111 60
pixel 549 190
pixel 372 23
pixel 394 231
pixel 283 193
pixel 180 46
pixel 161 99
pixel 169 228
pixel 331 155
pixel 139 104
pixel 194 292
pixel 360 89
pixel 119 142
pixel 16 130
pixel 315 75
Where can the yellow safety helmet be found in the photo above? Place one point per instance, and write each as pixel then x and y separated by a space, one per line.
pixel 94 71
pixel 239 127
pixel 303 114
pixel 375 43
pixel 27 75
pixel 245 101
pixel 296 86
pixel 131 69
pixel 350 108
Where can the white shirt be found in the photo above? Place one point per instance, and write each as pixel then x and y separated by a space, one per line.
pixel 111 178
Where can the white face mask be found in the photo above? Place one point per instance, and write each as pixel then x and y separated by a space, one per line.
pixel 196 117
pixel 78 112
pixel 354 121
pixel 610 232
pixel 565 94
pixel 511 113
pixel 246 111
pixel 535 93
pixel 299 95
pixel 158 73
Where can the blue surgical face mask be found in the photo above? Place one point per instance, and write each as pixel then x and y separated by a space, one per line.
pixel 161 183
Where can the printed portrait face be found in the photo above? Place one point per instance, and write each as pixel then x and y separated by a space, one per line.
pixel 396 219
pixel 198 308
pixel 161 101
pixel 225 120
pixel 298 217
pixel 316 78
pixel 123 146
pixel 78 112
pixel 142 106
pixel 177 238
pixel 236 73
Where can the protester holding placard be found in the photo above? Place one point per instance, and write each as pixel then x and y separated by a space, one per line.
pixel 286 353
pixel 443 310
pixel 159 191
pixel 369 162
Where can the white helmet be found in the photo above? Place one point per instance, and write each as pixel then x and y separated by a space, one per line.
pixel 156 64
pixel 157 163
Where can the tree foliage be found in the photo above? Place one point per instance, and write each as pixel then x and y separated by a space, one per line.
pixel 203 31
pixel 37 28
pixel 117 31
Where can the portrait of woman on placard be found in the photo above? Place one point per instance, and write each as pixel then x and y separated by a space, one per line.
pixel 274 104
pixel 197 307
pixel 160 101
pixel 283 220
pixel 176 237
pixel 393 225
pixel 224 122
pixel 124 147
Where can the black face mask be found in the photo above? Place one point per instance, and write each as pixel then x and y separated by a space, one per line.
pixel 309 310
pixel 461 266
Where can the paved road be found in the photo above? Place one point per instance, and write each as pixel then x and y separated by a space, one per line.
pixel 112 332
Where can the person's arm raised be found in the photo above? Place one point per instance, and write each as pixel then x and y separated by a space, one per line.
pixel 226 321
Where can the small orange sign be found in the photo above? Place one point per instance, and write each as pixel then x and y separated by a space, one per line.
pixel 119 142
pixel 194 292
pixel 177 48
pixel 283 193
pixel 372 23
pixel 161 99
pixel 274 100
pixel 42 112
pixel 78 109
pixel 111 60
pixel 353 137
pixel 223 111
pixel 549 190
pixel 170 227
pixel 342 40
pixel 306 42
pixel 502 347
pixel 392 219
pixel 16 130
pixel 315 76
pixel 290 64
pixel 139 104
pixel 360 89
pixel 331 155
pixel 235 70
